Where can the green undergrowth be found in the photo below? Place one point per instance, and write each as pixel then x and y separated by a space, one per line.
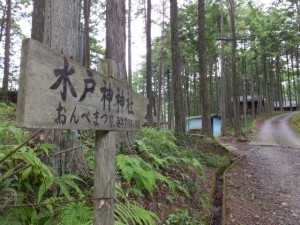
pixel 295 121
pixel 161 179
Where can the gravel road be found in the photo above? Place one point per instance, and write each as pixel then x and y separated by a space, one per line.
pixel 265 187
pixel 277 132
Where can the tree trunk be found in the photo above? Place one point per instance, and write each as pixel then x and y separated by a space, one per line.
pixel 171 102
pixel 223 77
pixel 187 94
pixel 53 25
pixel 289 80
pixel 149 64
pixel 279 86
pixel 176 81
pixel 159 106
pixel 206 124
pixel 129 46
pixel 161 69
pixel 6 52
pixel 116 35
pixel 86 53
pixel 235 78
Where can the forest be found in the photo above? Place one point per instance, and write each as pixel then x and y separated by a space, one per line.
pixel 234 59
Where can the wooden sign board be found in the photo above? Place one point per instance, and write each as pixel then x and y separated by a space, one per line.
pixel 55 92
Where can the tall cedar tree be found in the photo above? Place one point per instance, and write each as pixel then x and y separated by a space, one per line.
pixel 116 35
pixel 160 79
pixel 86 53
pixel 129 46
pixel 106 141
pixel 235 78
pixel 179 126
pixel 206 126
pixel 223 77
pixel 149 64
pixel 6 52
pixel 56 27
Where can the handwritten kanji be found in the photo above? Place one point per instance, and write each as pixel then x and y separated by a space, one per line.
pixel 129 105
pixel 120 100
pixel 63 77
pixel 107 95
pixel 90 84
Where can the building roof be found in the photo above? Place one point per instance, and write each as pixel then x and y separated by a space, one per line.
pixel 286 104
pixel 256 98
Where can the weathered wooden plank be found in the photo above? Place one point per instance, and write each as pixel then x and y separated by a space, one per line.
pixel 56 92
pixel 104 179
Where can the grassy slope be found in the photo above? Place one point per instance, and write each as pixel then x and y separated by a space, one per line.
pixel 167 175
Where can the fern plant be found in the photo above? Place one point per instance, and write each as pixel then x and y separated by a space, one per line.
pixel 63 182
pixel 127 212
pixel 161 142
pixel 76 214
pixel 141 174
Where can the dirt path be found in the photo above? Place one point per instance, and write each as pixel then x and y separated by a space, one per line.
pixel 277 132
pixel 264 188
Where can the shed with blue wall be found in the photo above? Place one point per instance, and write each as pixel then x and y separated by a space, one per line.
pixel 195 123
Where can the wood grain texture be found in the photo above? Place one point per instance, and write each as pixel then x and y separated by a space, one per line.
pixel 104 104
pixel 104 180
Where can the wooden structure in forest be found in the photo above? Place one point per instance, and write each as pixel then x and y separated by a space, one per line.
pixel 286 105
pixel 257 100
pixel 56 92
pixel 194 124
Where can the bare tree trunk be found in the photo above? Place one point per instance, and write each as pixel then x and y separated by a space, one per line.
pixel 149 64
pixel 279 86
pixel 289 80
pixel 223 77
pixel 38 20
pixel 206 124
pixel 176 67
pixel 171 102
pixel 217 86
pixel 187 94
pixel 116 35
pixel 54 26
pixel 235 78
pixel 159 107
pixel 6 52
pixel 129 46
pixel 293 76
pixel 87 12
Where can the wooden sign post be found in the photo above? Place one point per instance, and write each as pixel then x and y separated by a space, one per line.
pixel 55 92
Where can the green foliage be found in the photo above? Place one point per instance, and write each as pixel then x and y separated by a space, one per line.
pixel 76 214
pixel 7 111
pixel 127 212
pixel 181 218
pixel 213 160
pixel 136 171
pixel 7 189
pixel 295 121
pixel 160 142
pixel 64 182
pixel 9 134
